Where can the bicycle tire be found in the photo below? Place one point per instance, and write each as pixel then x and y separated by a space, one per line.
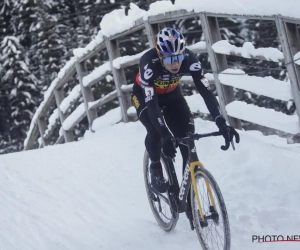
pixel 221 209
pixel 166 223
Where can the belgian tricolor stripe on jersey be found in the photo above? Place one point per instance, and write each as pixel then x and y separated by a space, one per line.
pixel 162 87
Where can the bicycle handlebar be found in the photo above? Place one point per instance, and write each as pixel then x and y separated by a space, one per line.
pixel 198 136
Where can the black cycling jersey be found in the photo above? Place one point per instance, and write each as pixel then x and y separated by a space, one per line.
pixel 157 84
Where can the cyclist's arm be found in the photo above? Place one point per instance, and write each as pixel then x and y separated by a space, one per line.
pixel 151 99
pixel 203 87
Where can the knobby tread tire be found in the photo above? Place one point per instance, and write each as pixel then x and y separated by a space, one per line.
pixel 173 221
pixel 201 172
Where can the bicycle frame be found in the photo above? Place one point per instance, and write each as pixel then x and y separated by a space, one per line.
pixel 188 179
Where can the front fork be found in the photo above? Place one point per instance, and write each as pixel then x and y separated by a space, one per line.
pixel 192 170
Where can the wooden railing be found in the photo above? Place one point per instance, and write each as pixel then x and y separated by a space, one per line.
pixel 42 127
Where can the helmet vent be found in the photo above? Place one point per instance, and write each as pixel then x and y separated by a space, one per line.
pixel 170 46
pixel 181 46
pixel 176 44
pixel 164 48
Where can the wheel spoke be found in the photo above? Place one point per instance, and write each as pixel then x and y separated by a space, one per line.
pixel 216 234
pixel 159 203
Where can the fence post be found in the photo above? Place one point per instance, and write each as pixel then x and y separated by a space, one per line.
pixel 151 30
pixel 59 96
pixel 87 96
pixel 119 77
pixel 290 42
pixel 32 139
pixel 218 63
pixel 42 124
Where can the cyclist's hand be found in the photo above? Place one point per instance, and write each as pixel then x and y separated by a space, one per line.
pixel 169 146
pixel 228 132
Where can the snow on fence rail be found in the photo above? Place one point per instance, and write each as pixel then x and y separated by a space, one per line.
pixel 160 12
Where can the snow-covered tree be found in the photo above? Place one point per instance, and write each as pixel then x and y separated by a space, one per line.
pixel 21 90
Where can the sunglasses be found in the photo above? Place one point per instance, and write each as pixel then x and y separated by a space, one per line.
pixel 172 59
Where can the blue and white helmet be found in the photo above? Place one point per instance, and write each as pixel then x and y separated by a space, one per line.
pixel 170 41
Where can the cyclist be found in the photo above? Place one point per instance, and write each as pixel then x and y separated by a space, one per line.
pixel 156 86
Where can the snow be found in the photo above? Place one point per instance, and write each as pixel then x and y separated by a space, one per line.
pixel 248 51
pixel 73 117
pixel 73 95
pixel 267 86
pixel 121 22
pixel 52 121
pixel 297 58
pixel 80 52
pixel 265 117
pixel 117 63
pixel 90 194
pixel 96 73
pixel 199 45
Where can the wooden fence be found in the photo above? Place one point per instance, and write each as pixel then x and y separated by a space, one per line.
pixel 289 39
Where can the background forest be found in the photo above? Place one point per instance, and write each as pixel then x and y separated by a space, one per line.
pixel 37 38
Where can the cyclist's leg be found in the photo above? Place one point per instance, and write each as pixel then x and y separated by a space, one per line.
pixel 180 121
pixel 152 140
pixel 152 144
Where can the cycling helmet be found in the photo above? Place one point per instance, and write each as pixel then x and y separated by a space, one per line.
pixel 170 41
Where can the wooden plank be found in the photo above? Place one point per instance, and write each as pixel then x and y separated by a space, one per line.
pixel 171 16
pixel 294 46
pixel 59 96
pixel 261 116
pixel 50 101
pixel 151 30
pixel 260 57
pixel 135 28
pixel 69 74
pixel 255 17
pixel 218 64
pixel 42 124
pixel 96 80
pixel 127 88
pixel 130 63
pixel 119 78
pixel 183 14
pixel 105 99
pixel 291 20
pixel 79 118
pixel 289 46
pixel 33 138
pixel 87 96
pixel 50 131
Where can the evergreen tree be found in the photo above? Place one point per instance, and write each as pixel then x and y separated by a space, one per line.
pixel 22 95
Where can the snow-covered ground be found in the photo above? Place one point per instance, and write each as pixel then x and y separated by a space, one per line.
pixel 90 194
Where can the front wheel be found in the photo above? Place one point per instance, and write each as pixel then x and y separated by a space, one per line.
pixel 214 231
pixel 162 205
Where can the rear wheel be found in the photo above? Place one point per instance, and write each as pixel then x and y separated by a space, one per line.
pixel 214 232
pixel 162 204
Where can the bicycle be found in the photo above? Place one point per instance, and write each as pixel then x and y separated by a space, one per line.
pixel 205 211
